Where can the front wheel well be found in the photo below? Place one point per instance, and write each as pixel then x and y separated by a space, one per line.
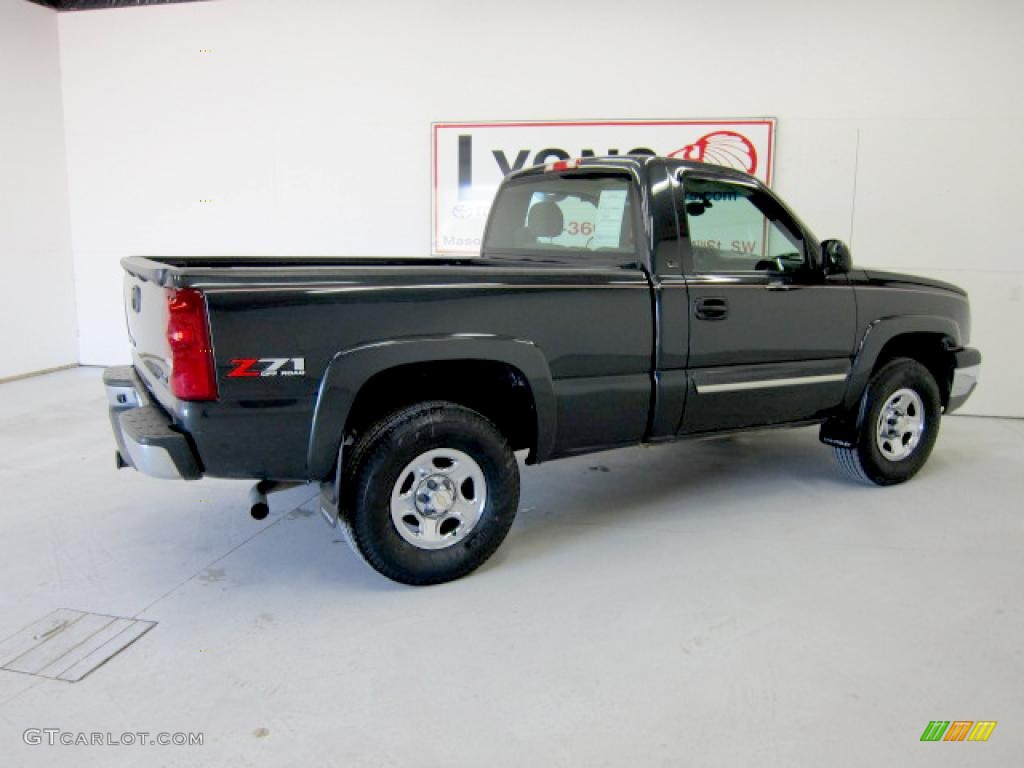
pixel 932 350
pixel 498 391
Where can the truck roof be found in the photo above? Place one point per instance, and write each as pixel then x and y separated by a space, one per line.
pixel 636 164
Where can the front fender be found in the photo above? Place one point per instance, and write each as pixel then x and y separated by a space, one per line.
pixel 879 333
pixel 350 369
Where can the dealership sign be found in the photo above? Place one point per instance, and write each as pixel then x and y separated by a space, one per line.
pixel 471 159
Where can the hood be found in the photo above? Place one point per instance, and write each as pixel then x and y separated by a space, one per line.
pixel 897 280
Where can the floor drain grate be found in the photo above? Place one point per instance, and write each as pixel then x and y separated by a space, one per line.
pixel 68 645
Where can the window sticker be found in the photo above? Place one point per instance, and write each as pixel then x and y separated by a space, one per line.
pixel 608 223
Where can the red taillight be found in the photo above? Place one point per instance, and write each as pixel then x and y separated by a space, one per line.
pixel 193 376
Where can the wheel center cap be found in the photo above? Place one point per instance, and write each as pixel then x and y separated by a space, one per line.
pixel 897 423
pixel 435 495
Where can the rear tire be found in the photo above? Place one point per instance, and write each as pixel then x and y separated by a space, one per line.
pixel 901 410
pixel 431 493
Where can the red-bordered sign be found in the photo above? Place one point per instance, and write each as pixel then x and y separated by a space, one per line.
pixel 471 158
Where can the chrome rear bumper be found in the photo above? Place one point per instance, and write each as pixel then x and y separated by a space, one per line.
pixel 147 439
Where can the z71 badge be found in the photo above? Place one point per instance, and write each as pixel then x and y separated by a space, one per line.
pixel 253 367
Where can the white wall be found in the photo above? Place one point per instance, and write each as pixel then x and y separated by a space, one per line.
pixel 37 298
pixel 308 125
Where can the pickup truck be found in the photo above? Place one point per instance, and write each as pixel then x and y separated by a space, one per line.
pixel 615 301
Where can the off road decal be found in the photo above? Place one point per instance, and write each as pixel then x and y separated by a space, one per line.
pixel 256 367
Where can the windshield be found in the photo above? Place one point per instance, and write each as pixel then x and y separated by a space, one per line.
pixel 559 214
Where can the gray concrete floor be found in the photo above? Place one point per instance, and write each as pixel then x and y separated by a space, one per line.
pixel 717 603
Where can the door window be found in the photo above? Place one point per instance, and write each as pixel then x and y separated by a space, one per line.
pixel 733 228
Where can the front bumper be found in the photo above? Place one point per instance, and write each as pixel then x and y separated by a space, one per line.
pixel 146 437
pixel 966 365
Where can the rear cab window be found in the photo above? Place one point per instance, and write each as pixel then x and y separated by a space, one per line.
pixel 562 217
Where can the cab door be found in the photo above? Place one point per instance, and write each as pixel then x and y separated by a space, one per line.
pixel 771 336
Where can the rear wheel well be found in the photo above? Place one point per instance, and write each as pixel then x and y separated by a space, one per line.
pixel 932 350
pixel 498 391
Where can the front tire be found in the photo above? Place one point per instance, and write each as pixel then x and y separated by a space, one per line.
pixel 432 492
pixel 900 414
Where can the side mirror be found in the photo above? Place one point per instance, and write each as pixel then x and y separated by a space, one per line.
pixel 836 255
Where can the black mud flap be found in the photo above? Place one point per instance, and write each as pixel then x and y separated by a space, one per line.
pixel 839 432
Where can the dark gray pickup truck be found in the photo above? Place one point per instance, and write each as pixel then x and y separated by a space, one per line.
pixel 615 301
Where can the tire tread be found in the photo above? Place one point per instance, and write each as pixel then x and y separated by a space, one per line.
pixel 849 462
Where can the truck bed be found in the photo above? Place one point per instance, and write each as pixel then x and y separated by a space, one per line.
pixel 323 320
pixel 183 271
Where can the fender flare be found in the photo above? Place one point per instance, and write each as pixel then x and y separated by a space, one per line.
pixel 350 369
pixel 879 333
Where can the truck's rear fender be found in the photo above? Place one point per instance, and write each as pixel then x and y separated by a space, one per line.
pixel 350 372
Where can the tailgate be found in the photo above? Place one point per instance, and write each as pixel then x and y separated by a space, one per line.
pixel 145 306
